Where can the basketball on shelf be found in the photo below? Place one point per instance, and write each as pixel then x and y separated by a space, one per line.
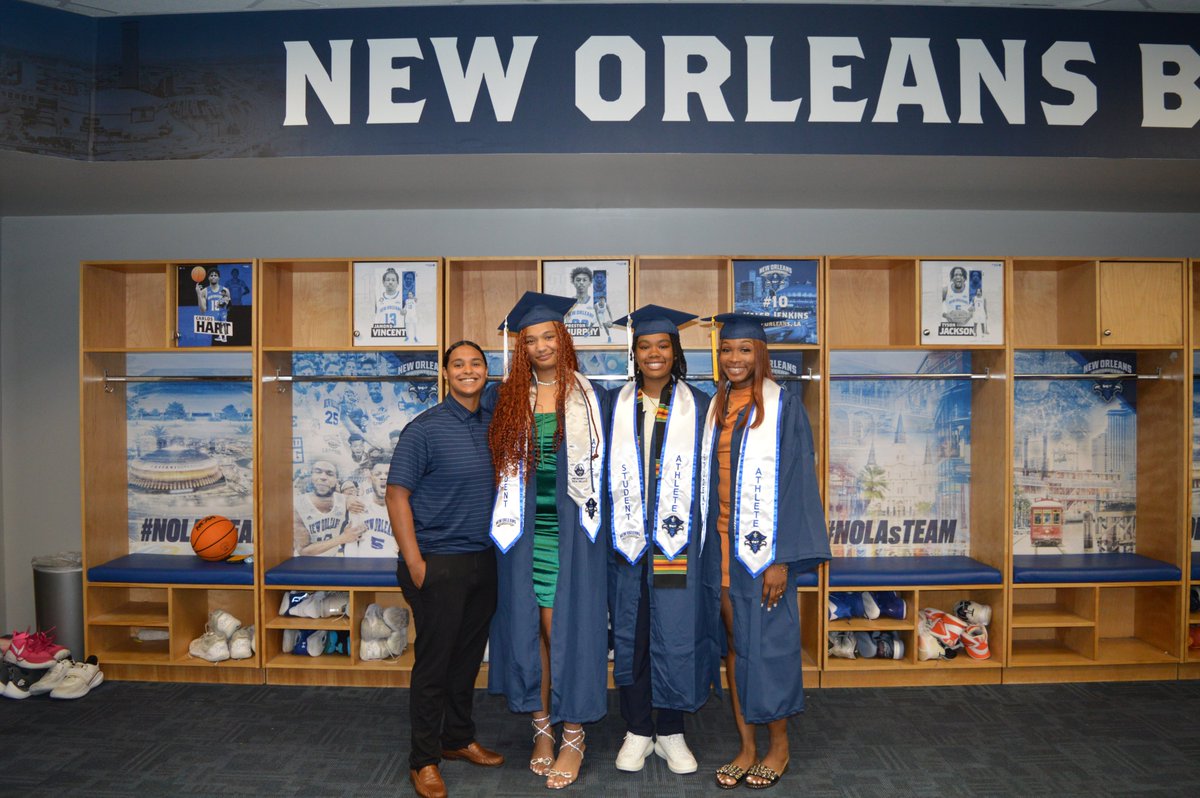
pixel 214 538
pixel 199 274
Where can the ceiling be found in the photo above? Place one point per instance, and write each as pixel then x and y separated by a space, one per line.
pixel 106 8
pixel 32 185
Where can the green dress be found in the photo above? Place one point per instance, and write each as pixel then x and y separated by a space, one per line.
pixel 545 521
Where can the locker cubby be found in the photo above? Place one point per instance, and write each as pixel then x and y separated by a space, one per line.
pixel 479 294
pixel 872 303
pixel 692 284
pixel 1071 303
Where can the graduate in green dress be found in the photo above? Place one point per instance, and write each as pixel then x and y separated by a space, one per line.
pixel 549 643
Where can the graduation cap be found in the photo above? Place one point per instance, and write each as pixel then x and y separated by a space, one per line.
pixel 743 325
pixel 534 308
pixel 651 319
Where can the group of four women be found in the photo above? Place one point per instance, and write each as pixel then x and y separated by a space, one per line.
pixel 693 518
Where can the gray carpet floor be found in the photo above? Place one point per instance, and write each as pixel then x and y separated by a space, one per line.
pixel 147 739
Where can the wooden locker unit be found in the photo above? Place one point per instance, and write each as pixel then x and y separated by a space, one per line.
pixel 1109 623
pixel 1190 667
pixel 308 308
pixel 874 304
pixel 129 308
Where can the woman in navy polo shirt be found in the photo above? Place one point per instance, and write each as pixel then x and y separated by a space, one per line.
pixel 439 499
pixel 547 444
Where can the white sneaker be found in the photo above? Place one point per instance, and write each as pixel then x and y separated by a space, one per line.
pixel 842 644
pixel 212 646
pixel 241 644
pixel 223 623
pixel 396 618
pixel 82 678
pixel 322 604
pixel 674 749
pixel 374 627
pixel 53 678
pixel 973 612
pixel 382 648
pixel 304 641
pixel 632 756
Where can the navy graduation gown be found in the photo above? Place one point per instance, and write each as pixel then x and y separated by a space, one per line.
pixel 579 631
pixel 684 647
pixel 768 671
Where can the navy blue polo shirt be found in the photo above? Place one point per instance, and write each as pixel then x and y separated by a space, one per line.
pixel 442 458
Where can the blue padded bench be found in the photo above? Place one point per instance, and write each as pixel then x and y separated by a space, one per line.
pixel 1040 568
pixel 335 572
pixel 172 569
pixel 911 571
pixel 808 579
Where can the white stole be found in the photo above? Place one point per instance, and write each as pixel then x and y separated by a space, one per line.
pixel 584 445
pixel 672 516
pixel 755 492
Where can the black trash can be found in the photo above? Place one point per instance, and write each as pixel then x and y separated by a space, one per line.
pixel 58 598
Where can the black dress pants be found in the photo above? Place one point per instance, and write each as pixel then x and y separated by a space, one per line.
pixel 636 699
pixel 452 612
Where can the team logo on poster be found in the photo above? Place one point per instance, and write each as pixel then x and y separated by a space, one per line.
pixel 783 289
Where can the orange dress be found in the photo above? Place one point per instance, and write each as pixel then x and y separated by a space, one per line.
pixel 738 399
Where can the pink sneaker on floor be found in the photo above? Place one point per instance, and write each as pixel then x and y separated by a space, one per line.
pixel 34 651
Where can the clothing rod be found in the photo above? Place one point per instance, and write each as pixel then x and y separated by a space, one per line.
pixel 986 375
pixel 706 377
pixel 348 378
pixel 176 378
pixel 1157 375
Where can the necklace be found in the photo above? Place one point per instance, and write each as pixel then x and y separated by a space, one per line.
pixel 539 382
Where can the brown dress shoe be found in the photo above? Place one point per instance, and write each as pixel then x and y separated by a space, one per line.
pixel 428 782
pixel 476 754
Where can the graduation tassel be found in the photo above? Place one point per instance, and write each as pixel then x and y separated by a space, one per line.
pixel 712 335
pixel 505 334
pixel 629 346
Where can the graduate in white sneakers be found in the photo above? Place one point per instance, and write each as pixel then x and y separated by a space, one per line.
pixel 766 523
pixel 549 643
pixel 663 616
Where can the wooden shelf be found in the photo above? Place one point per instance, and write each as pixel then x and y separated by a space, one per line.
pixel 133 614
pixel 1046 615
pixel 1045 653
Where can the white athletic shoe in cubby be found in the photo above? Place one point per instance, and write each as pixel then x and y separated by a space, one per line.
pixel 223 622
pixel 241 643
pixel 374 627
pixel 382 648
pixel 322 604
pixel 211 646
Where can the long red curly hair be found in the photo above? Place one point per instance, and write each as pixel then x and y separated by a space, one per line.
pixel 511 436
pixel 762 371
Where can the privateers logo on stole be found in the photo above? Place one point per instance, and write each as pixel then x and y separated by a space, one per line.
pixel 755 539
pixel 1107 389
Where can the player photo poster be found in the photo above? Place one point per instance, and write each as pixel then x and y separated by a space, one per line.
pixel 343 436
pixel 600 289
pixel 1075 453
pixel 395 303
pixel 899 454
pixel 962 302
pixel 783 289
pixel 190 450
pixel 215 305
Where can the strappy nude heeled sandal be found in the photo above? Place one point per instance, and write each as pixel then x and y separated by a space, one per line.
pixel 575 742
pixel 540 765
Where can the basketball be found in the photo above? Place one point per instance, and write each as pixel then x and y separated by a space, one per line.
pixel 199 274
pixel 214 538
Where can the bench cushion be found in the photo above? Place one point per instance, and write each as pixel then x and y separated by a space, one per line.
pixel 172 569
pixel 334 572
pixel 910 571
pixel 1040 568
pixel 1195 566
